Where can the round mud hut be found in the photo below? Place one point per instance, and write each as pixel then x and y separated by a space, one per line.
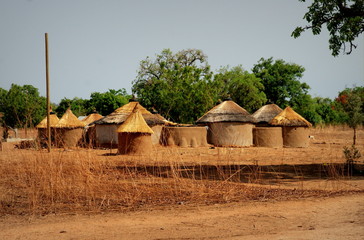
pixel 295 129
pixel 106 135
pixel 134 135
pixel 228 125
pixel 42 129
pixel 90 130
pixel 69 130
pixel 264 134
pixel 184 136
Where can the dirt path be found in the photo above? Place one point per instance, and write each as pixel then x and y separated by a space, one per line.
pixel 331 218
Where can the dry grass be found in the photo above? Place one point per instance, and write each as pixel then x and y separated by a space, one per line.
pixel 80 181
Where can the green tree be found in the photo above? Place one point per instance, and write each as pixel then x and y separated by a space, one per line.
pixel 344 20
pixel 352 102
pixel 281 82
pixel 77 105
pixel 243 87
pixel 179 86
pixel 22 106
pixel 105 103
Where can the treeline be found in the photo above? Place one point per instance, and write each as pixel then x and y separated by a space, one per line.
pixel 182 87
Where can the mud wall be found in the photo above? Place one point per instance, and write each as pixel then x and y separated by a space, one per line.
pixel 268 137
pixel 184 136
pixel 295 137
pixel 230 134
pixel 157 129
pixel 69 137
pixel 135 143
pixel 106 135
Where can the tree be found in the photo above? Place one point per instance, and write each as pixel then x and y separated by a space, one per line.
pixel 281 82
pixel 77 105
pixel 105 103
pixel 179 86
pixel 352 102
pixel 344 20
pixel 22 106
pixel 243 87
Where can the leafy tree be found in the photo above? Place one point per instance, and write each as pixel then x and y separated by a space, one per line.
pixel 77 105
pixel 344 20
pixel 22 106
pixel 179 86
pixel 351 100
pixel 105 103
pixel 281 82
pixel 243 87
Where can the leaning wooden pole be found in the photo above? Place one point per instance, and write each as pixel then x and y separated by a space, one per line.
pixel 48 97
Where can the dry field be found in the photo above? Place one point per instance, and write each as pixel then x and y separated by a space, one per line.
pixel 195 193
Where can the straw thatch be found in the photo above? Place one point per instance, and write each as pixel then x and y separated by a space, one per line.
pixel 227 111
pixel 289 118
pixel 122 113
pixel 69 120
pixel 53 121
pixel 91 118
pixel 266 113
pixel 135 123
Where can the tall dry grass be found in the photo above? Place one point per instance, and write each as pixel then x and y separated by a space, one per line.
pixel 37 182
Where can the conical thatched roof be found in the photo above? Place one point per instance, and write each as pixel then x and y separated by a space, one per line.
pixel 135 123
pixel 92 118
pixel 69 120
pixel 289 118
pixel 227 111
pixel 122 113
pixel 53 121
pixel 267 113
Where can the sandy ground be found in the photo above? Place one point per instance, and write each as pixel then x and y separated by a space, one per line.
pixel 324 218
pixel 340 217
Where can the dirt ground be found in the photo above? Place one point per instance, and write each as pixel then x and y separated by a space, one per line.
pixel 338 217
pixel 324 218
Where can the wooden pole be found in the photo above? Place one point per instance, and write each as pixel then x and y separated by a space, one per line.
pixel 48 97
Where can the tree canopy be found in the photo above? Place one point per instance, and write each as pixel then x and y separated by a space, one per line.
pixel 243 87
pixel 179 85
pixel 344 19
pixel 22 106
pixel 281 81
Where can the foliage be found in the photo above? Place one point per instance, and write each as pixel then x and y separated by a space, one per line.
pixel 77 105
pixel 281 82
pixel 352 103
pixel 243 87
pixel 105 103
pixel 179 86
pixel 344 20
pixel 22 106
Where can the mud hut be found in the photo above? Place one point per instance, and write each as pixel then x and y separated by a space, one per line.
pixel 295 129
pixel 228 125
pixel 90 129
pixel 184 136
pixel 106 135
pixel 134 135
pixel 264 134
pixel 69 130
pixel 42 129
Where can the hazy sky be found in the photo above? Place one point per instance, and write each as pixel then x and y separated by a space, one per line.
pixel 96 45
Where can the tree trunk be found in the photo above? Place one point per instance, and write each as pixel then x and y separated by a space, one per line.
pixel 354 137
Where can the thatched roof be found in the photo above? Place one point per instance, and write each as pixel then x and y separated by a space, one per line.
pixel 91 118
pixel 227 111
pixel 135 123
pixel 267 113
pixel 69 120
pixel 53 121
pixel 289 118
pixel 122 113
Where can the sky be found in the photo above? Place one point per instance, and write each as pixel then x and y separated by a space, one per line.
pixel 96 45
